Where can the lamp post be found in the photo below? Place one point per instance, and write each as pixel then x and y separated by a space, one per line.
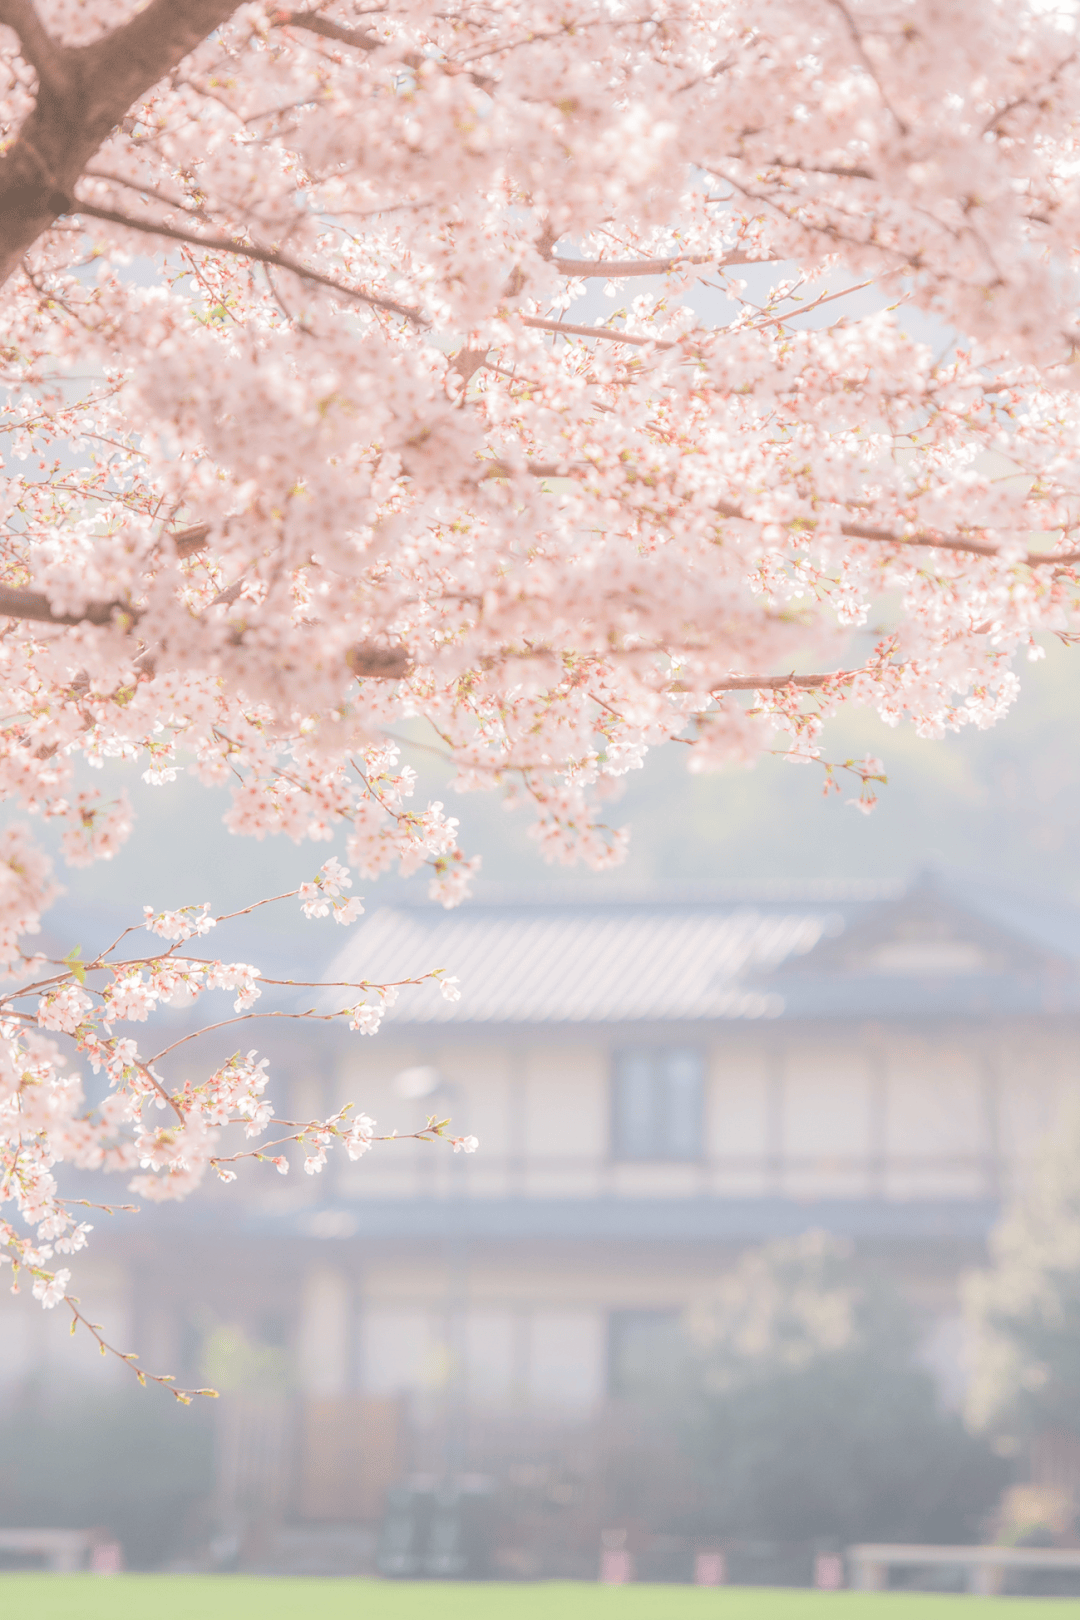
pixel 423 1083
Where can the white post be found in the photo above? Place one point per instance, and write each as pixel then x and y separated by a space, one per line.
pixel 985 1580
pixel 867 1575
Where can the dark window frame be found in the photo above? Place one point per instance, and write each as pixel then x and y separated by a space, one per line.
pixel 657 1104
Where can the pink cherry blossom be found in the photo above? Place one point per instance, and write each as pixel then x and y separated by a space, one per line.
pixel 366 1017
pixel 129 997
pixel 183 924
pixel 323 896
pixel 546 384
pixel 359 1136
pixel 64 1009
pixel 51 1290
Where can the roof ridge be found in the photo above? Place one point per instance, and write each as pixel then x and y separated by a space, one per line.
pixel 600 894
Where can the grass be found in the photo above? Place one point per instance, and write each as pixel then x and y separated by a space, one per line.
pixel 240 1597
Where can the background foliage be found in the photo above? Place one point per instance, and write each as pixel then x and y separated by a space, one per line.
pixel 810 1417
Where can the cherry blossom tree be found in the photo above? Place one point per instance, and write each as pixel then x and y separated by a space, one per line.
pixel 302 440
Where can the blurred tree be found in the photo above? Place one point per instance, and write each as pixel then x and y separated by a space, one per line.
pixel 1025 1310
pixel 232 1361
pixel 811 1416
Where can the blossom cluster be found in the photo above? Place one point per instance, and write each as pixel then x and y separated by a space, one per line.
pixel 324 896
pixel 163 1134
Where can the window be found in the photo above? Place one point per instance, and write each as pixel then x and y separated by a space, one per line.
pixel 656 1104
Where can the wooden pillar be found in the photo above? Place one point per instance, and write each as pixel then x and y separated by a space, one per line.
pixel 991 1120
pixel 877 1111
pixel 775 1145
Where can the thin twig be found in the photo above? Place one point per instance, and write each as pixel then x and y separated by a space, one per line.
pixel 245 250
pixel 129 1358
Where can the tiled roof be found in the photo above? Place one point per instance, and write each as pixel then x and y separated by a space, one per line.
pixel 574 963
pixel 936 948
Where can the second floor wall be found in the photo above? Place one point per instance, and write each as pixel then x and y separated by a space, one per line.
pixel 950 1112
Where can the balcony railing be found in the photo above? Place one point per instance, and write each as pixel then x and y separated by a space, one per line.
pixel 762 1175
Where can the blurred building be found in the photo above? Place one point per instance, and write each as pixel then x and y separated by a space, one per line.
pixel 656 1083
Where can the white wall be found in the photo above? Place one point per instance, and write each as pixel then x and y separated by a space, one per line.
pixel 401 1350
pixel 567 1359
pixel 323 1341
pixel 546 1359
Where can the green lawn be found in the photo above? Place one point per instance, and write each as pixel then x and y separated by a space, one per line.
pixel 239 1597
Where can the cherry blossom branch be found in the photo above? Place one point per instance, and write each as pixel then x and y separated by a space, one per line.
pixel 1033 559
pixel 231 1096
pixel 245 250
pixel 571 329
pixel 866 771
pixel 106 1209
pixel 101 962
pixel 639 341
pixel 536 469
pixel 616 269
pixel 78 107
pixel 366 659
pixel 316 23
pixel 130 1357
pixel 143 189
pixel 152 1079
pixel 961 543
pixel 434 1130
pixel 864 58
pixel 50 1288
pixel 840 171
pixel 779 683
pixel 309 1014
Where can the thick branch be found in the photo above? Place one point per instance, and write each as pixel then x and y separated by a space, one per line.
pixel 956 542
pixel 243 250
pixel 83 94
pixel 777 683
pixel 375 663
pixel 841 171
pixel 617 268
pixel 316 23
pixel 371 660
pixel 16 604
pixel 367 658
pixel 625 267
pixel 859 531
pixel 536 469
pixel 567 329
pixel 189 541
pixel 931 542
